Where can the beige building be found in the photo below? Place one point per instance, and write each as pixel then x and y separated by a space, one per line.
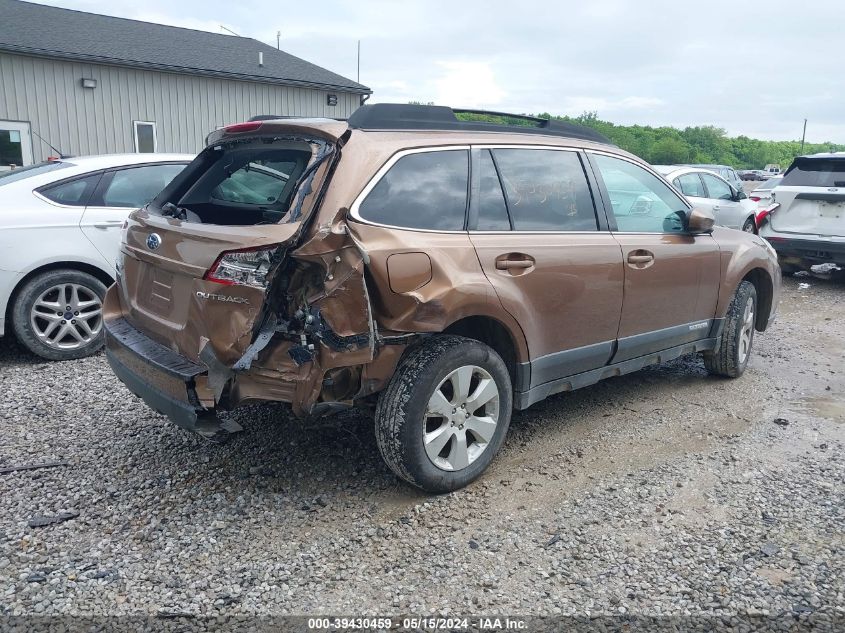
pixel 79 83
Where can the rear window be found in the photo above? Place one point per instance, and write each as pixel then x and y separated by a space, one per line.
pixel 426 190
pixel 14 175
pixel 691 185
pixel 771 183
pixel 257 182
pixel 72 193
pixel 241 184
pixel 816 172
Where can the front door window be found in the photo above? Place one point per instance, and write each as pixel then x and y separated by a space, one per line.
pixel 640 201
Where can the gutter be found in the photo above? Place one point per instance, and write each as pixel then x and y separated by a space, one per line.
pixel 124 63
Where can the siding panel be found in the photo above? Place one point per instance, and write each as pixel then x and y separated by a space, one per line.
pixel 185 108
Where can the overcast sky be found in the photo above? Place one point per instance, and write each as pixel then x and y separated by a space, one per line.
pixel 753 68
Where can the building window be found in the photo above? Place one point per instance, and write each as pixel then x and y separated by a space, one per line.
pixel 145 137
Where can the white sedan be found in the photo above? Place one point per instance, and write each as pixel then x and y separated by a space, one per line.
pixel 60 231
pixel 706 190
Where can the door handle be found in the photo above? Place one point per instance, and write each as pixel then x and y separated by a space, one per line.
pixel 716 207
pixel 516 263
pixel 640 259
pixel 506 264
pixel 107 224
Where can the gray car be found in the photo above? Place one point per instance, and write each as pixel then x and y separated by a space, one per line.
pixel 705 190
pixel 725 171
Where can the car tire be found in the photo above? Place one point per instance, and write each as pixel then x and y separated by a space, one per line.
pixel 730 358
pixel 750 226
pixel 438 376
pixel 76 332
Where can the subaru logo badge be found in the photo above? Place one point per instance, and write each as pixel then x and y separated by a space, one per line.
pixel 153 241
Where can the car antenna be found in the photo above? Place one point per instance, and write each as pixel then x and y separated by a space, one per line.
pixel 58 151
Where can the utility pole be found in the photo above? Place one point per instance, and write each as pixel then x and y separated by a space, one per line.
pixel 359 62
pixel 279 40
pixel 803 136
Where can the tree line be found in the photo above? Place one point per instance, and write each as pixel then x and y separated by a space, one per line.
pixel 669 145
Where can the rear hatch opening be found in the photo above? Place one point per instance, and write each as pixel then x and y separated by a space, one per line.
pixel 222 262
pixel 244 182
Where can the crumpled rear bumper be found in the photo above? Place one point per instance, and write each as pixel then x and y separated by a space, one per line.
pixel 163 379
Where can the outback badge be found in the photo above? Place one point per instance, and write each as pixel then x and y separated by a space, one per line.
pixel 216 297
pixel 153 241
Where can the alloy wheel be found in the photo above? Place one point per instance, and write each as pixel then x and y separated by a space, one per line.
pixel 67 316
pixel 747 331
pixel 461 418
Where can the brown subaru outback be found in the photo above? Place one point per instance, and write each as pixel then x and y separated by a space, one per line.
pixel 445 270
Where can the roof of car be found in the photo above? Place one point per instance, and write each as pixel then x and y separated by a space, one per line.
pixel 706 166
pixel 413 117
pixel 68 34
pixel 672 171
pixel 665 169
pixel 823 155
pixel 418 126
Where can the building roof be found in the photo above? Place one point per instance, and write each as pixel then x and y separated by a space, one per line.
pixel 45 31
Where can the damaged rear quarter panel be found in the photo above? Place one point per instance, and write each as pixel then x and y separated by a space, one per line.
pixel 342 275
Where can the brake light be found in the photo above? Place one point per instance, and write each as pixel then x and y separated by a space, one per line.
pixel 763 215
pixel 239 128
pixel 247 267
pixel 754 198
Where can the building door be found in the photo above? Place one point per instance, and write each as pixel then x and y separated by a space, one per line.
pixel 15 145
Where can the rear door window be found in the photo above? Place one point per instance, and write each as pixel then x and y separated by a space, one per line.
pixel 690 185
pixel 815 172
pixel 136 186
pixel 425 190
pixel 545 190
pixel 73 193
pixel 717 189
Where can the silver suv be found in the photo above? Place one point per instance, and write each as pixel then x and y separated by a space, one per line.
pixel 806 221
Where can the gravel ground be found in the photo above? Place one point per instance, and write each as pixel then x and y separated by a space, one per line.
pixel 663 492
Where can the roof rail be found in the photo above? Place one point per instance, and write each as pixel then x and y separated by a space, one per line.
pixel 401 116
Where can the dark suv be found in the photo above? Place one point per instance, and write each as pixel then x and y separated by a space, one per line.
pixel 445 271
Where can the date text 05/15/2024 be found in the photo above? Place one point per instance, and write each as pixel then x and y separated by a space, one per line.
pixel 417 623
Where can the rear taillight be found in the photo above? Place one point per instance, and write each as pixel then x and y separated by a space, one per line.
pixel 238 128
pixel 247 267
pixel 754 198
pixel 763 215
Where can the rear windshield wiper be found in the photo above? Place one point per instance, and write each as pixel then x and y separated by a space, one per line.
pixel 169 209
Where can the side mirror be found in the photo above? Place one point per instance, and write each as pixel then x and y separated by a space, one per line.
pixel 700 221
pixel 739 195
